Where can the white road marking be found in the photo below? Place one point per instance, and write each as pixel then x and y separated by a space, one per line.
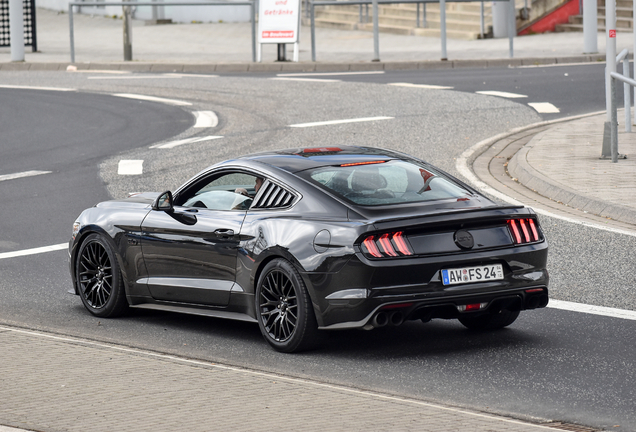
pixel 424 86
pixel 463 168
pixel 128 77
pixel 173 144
pixel 593 310
pixel 22 175
pixel 501 94
pixel 306 79
pixel 130 167
pixel 186 75
pixel 544 107
pixel 37 88
pixel 274 377
pixel 104 71
pixel 153 99
pixel 34 251
pixel 333 122
pixel 205 119
pixel 329 73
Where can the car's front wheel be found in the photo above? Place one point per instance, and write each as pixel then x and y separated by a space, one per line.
pixel 495 321
pixel 99 280
pixel 283 308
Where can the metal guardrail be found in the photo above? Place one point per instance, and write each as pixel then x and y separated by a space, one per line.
pixel 251 4
pixel 627 84
pixel 512 27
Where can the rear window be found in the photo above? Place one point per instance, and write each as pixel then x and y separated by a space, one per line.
pixel 386 182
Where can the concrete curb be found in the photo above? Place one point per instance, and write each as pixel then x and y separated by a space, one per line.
pixel 303 66
pixel 519 168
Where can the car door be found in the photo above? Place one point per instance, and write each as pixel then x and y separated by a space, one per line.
pixel 190 252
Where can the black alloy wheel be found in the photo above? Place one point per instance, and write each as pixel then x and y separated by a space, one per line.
pixel 284 310
pixel 99 281
pixel 495 321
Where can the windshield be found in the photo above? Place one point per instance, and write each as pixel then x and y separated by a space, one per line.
pixel 385 182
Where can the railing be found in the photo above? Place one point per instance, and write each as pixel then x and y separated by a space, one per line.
pixel 627 84
pixel 376 45
pixel 127 28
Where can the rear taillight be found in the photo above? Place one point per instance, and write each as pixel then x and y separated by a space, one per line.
pixel 523 230
pixel 387 245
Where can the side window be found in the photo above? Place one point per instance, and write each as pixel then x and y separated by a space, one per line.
pixel 228 191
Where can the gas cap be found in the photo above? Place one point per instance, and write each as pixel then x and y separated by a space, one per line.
pixel 322 241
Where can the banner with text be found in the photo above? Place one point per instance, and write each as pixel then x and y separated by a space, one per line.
pixel 278 21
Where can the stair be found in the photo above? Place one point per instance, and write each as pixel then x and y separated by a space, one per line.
pixel 624 18
pixel 462 19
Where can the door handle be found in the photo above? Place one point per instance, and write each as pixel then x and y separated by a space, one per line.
pixel 224 233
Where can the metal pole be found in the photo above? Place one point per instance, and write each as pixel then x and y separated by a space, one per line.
pixel 71 32
pixel 417 24
pixel 590 26
pixel 482 24
pixel 442 23
pixel 627 96
pixel 313 32
pixel 424 24
pixel 127 10
pixel 512 28
pixel 634 54
pixel 614 121
pixel 376 32
pixel 610 51
pixel 253 11
pixel 16 30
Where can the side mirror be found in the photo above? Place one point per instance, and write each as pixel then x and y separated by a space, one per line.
pixel 164 202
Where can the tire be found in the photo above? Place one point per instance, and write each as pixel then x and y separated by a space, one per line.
pixel 284 310
pixel 99 281
pixel 499 320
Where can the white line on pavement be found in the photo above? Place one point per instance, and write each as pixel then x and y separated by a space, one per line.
pixel 329 73
pixel 205 119
pixel 186 75
pixel 306 79
pixel 424 86
pixel 104 71
pixel 37 88
pixel 173 144
pixel 153 99
pixel 128 77
pixel 33 251
pixel 333 122
pixel 593 310
pixel 22 174
pixel 544 107
pixel 130 167
pixel 501 94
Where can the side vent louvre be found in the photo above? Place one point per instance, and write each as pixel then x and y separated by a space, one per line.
pixel 274 197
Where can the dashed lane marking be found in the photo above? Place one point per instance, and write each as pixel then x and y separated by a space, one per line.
pixel 333 122
pixel 33 251
pixel 501 94
pixel 423 86
pixel 37 88
pixel 153 99
pixel 544 107
pixel 305 79
pixel 329 73
pixel 130 167
pixel 593 310
pixel 22 175
pixel 205 119
pixel 177 143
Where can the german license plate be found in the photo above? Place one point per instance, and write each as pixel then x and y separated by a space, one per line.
pixel 472 274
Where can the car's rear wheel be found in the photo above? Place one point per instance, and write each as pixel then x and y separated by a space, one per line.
pixel 495 321
pixel 99 280
pixel 284 310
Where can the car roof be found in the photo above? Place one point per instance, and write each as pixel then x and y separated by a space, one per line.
pixel 300 159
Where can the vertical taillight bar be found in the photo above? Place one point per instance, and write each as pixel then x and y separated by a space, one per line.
pixel 523 230
pixel 387 245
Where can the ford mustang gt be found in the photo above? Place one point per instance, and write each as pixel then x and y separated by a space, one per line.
pixel 312 239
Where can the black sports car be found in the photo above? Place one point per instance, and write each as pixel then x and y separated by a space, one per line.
pixel 314 239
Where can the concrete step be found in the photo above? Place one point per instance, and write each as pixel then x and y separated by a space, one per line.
pixel 462 21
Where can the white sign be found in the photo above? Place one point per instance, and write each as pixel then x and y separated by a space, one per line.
pixel 278 21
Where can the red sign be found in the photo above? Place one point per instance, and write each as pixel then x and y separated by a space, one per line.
pixel 612 33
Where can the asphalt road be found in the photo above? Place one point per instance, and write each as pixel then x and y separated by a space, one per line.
pixel 550 364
